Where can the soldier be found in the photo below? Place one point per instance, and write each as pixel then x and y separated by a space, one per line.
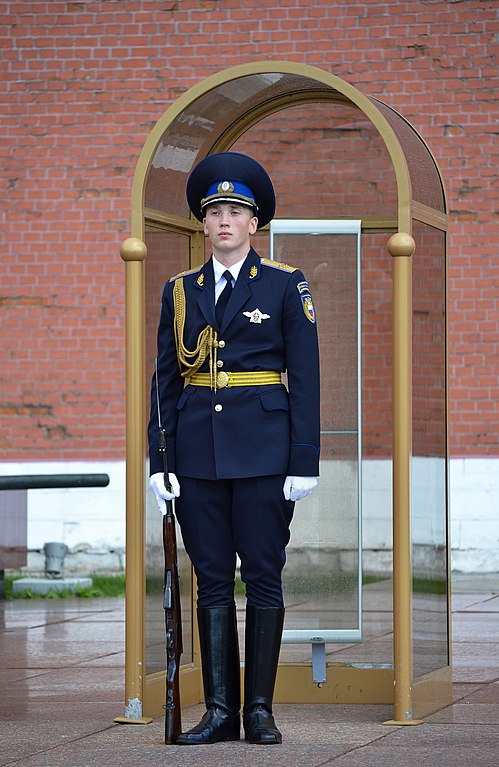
pixel 242 448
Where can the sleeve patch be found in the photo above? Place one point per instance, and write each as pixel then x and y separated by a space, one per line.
pixel 302 287
pixel 308 307
pixel 306 300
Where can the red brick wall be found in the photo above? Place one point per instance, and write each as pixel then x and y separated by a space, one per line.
pixel 84 82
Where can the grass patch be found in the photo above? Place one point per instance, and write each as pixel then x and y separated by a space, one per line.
pixel 102 586
pixel 114 586
pixel 429 586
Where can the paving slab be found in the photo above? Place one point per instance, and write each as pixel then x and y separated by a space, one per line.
pixel 33 739
pixel 429 746
pixel 62 682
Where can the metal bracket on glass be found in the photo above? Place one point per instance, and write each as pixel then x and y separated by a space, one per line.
pixel 318 642
pixel 318 660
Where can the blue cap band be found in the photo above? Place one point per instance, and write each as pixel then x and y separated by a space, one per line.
pixel 229 191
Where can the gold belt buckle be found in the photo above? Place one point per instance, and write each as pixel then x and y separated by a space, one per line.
pixel 222 379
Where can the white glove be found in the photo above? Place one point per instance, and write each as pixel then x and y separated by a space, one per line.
pixel 296 488
pixel 157 485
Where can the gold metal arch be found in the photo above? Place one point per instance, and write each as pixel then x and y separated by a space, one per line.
pixel 323 86
pixel 338 89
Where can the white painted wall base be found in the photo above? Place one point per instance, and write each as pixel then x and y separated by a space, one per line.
pixel 475 515
pixel 91 521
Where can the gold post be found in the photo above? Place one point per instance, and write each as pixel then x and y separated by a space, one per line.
pixel 133 252
pixel 401 247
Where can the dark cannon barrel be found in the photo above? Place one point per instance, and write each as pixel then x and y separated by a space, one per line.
pixel 46 481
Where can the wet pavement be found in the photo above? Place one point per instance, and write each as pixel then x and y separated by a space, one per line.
pixel 62 684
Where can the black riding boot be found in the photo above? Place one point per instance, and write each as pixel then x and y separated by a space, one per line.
pixel 221 678
pixel 263 642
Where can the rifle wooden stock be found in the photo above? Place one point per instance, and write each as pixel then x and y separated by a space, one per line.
pixel 173 618
pixel 173 624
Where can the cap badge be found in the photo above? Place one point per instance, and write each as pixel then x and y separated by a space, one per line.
pixel 225 187
pixel 256 316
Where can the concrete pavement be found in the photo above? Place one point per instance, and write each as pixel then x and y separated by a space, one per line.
pixel 62 677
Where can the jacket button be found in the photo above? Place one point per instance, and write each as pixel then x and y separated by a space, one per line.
pixel 218 408
pixel 220 363
pixel 221 344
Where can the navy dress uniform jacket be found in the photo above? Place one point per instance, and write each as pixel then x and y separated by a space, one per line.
pixel 249 431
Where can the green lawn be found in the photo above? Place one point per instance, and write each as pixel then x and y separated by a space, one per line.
pixel 102 586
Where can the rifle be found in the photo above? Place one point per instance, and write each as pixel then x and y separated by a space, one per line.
pixel 171 602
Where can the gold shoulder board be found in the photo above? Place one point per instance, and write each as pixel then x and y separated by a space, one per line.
pixel 279 265
pixel 184 274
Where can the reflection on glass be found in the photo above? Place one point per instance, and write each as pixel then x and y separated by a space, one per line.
pixel 155 614
pixel 340 165
pixel 425 178
pixel 428 469
pixel 320 577
pixel 321 574
pixel 336 150
pixel 322 571
pixel 167 255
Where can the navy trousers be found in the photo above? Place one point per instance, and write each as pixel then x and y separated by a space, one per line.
pixel 222 518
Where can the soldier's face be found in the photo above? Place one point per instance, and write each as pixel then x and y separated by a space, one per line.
pixel 229 226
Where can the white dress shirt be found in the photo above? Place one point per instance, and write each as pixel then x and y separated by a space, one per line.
pixel 218 271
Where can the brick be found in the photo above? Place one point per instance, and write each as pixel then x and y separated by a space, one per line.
pixel 84 85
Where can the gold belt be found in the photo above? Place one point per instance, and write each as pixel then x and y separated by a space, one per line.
pixel 223 379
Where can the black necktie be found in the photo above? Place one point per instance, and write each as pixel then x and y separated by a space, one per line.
pixel 223 298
